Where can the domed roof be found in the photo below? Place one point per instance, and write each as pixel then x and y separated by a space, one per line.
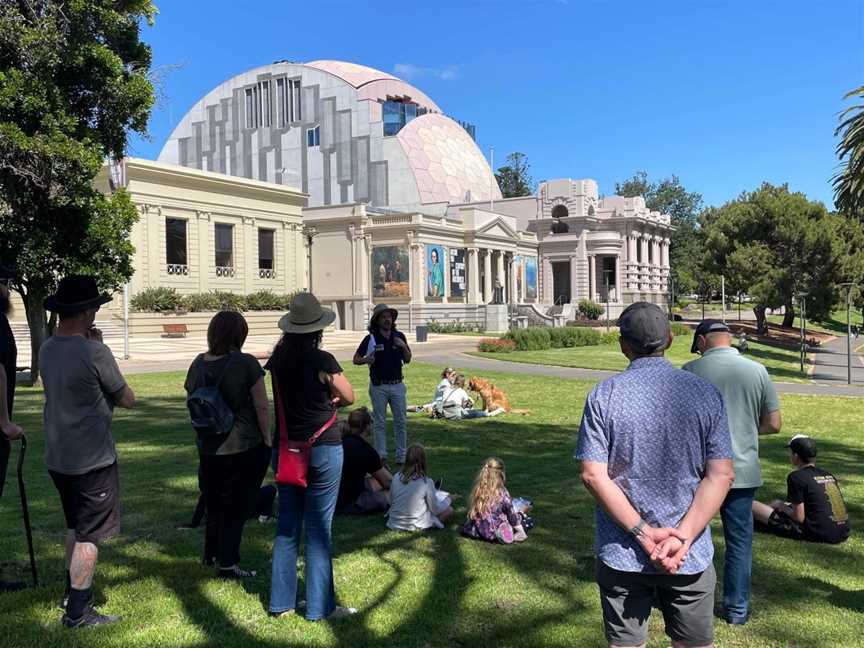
pixel 356 75
pixel 447 164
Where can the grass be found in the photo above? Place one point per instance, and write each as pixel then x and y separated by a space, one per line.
pixel 782 364
pixel 424 590
pixel 835 324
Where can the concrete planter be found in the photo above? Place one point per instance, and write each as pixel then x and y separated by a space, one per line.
pixel 150 324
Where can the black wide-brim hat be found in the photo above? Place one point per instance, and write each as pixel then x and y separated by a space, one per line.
pixel 377 312
pixel 76 294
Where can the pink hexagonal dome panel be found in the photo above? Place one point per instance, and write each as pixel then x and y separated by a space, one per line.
pixel 457 170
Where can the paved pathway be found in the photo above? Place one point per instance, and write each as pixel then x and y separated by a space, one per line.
pixel 832 363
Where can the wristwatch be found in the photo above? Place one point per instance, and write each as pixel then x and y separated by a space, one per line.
pixel 637 530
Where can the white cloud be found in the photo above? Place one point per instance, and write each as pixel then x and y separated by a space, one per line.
pixel 410 72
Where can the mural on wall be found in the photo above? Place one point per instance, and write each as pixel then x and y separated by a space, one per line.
pixel 435 260
pixel 390 271
pixel 458 276
pixel 518 263
pixel 530 278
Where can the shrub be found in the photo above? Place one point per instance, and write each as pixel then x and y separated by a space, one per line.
pixel 266 300
pixel 571 336
pixel 453 327
pixel 157 300
pixel 610 338
pixel 215 300
pixel 590 309
pixel 530 339
pixel 680 328
pixel 496 345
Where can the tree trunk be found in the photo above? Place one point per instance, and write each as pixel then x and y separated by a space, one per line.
pixel 38 323
pixel 789 315
pixel 761 323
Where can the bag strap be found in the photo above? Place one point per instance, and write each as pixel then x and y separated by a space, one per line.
pixel 224 369
pixel 280 415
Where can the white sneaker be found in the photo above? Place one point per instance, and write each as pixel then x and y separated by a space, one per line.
pixel 497 411
pixel 342 612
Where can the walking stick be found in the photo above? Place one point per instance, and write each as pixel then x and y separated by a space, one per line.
pixel 24 510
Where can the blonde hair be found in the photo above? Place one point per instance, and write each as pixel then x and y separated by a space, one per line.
pixel 415 464
pixel 488 487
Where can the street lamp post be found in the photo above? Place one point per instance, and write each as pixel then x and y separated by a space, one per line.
pixel 848 286
pixel 803 297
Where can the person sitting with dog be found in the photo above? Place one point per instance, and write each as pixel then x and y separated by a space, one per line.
pixel 457 404
pixel 444 385
pixel 365 484
pixel 814 509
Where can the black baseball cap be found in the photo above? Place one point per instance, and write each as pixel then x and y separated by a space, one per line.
pixel 645 327
pixel 803 445
pixel 705 327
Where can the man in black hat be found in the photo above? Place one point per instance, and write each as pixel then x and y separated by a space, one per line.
pixel 814 509
pixel 385 350
pixel 9 431
pixel 82 384
pixel 656 455
pixel 753 409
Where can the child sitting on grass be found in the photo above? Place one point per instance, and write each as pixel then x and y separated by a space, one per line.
pixel 491 515
pixel 415 503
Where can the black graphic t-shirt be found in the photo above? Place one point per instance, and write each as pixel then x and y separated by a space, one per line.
pixel 825 514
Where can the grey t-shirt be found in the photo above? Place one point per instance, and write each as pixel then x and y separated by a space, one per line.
pixel 80 377
pixel 748 394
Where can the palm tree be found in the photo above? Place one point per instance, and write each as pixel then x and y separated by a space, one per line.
pixel 849 180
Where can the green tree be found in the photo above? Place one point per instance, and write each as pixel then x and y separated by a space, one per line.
pixel 73 83
pixel 849 181
pixel 514 179
pixel 775 244
pixel 669 196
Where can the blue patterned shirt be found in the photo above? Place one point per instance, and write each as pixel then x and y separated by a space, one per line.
pixel 655 427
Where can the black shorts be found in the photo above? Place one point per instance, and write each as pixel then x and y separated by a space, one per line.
pixel 781 524
pixel 91 503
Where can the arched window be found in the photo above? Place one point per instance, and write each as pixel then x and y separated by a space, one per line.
pixel 560 211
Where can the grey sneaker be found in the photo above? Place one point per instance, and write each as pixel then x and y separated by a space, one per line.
pixel 90 618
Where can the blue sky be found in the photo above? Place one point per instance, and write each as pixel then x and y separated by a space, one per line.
pixel 722 94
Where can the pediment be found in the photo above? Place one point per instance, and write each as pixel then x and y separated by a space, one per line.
pixel 497 228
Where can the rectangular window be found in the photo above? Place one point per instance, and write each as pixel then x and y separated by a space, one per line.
pixel 265 248
pixel 224 246
pixel 266 105
pixel 392 112
pixel 175 242
pixel 313 137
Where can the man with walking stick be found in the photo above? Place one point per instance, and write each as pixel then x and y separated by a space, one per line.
pixel 8 358
pixel 82 384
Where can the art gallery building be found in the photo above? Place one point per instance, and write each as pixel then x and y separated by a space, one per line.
pixel 349 181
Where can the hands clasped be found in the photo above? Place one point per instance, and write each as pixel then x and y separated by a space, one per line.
pixel 667 547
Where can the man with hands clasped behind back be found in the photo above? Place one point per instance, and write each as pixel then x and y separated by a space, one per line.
pixel 656 454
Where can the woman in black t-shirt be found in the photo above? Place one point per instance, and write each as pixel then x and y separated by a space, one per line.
pixel 308 387
pixel 232 465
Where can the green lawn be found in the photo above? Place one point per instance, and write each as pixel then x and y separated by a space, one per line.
pixel 836 324
pixel 424 590
pixel 782 364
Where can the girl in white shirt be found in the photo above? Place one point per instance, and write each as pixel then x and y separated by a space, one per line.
pixel 415 504
pixel 458 401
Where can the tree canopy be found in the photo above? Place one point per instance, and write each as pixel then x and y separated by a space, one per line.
pixel 73 83
pixel 669 196
pixel 514 178
pixel 774 245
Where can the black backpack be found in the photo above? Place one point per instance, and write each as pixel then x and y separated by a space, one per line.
pixel 210 414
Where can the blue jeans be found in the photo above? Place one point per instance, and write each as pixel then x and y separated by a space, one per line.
pixel 313 507
pixel 737 515
pixel 381 396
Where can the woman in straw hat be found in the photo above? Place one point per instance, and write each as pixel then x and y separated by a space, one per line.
pixel 308 387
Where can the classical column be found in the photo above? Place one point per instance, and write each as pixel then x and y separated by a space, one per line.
pixel 500 276
pixel 249 254
pixel 417 281
pixel 619 284
pixel 592 277
pixel 487 278
pixel 666 253
pixel 574 280
pixel 632 263
pixel 546 282
pixel 473 276
pixel 512 297
pixel 205 254
pixel 644 272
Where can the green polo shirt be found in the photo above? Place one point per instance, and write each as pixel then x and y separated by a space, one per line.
pixel 748 395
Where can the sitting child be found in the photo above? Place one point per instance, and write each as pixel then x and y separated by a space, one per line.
pixel 365 480
pixel 457 404
pixel 814 509
pixel 415 504
pixel 491 515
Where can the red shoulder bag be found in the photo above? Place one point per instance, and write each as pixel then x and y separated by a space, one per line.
pixel 293 466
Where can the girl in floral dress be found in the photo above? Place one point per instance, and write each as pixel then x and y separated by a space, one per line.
pixel 491 515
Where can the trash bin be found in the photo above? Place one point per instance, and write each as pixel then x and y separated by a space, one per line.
pixel 422 333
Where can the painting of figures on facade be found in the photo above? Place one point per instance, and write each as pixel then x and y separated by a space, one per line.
pixel 530 278
pixel 390 271
pixel 458 276
pixel 435 261
pixel 518 264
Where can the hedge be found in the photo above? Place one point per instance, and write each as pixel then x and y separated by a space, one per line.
pixel 453 327
pixel 539 339
pixel 168 300
pixel 496 345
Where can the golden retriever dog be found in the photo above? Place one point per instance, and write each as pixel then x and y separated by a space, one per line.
pixel 493 398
